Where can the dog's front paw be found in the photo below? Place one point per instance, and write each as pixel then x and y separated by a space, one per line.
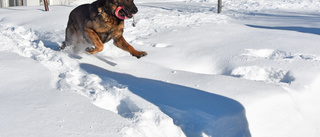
pixel 140 54
pixel 90 49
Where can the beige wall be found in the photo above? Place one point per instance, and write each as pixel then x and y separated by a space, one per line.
pixel 33 2
pixel 6 3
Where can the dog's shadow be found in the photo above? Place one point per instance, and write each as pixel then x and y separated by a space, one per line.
pixel 196 112
pixel 106 61
pixel 49 44
pixel 52 45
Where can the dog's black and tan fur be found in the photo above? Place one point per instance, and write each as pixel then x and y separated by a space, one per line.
pixel 96 24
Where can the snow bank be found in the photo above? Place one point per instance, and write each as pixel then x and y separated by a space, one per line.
pixel 249 71
pixel 31 106
pixel 266 74
pixel 252 5
pixel 68 76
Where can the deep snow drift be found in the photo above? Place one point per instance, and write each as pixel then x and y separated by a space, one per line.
pixel 251 71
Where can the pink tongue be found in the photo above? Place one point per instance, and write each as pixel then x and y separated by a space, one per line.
pixel 120 16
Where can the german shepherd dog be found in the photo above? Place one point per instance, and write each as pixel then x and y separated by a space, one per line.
pixel 99 22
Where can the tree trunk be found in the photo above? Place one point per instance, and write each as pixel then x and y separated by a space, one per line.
pixel 219 6
pixel 46 5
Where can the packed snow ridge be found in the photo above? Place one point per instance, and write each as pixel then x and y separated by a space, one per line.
pixel 251 71
pixel 107 94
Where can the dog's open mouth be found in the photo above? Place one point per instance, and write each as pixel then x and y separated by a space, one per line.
pixel 121 13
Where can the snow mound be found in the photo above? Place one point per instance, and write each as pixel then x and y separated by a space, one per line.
pixel 106 94
pixel 265 74
pixel 259 5
pixel 193 118
pixel 272 54
pixel 183 87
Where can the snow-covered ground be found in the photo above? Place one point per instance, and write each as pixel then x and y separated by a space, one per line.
pixel 253 70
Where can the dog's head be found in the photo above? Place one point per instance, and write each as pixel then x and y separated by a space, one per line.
pixel 123 9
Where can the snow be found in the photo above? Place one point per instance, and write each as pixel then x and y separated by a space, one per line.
pixel 31 106
pixel 251 71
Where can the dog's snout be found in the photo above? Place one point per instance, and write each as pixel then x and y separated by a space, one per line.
pixel 135 10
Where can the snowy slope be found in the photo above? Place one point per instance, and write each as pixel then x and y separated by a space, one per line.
pixel 251 71
pixel 31 106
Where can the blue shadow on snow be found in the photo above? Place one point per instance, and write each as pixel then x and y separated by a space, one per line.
pixel 49 44
pixel 298 29
pixel 195 111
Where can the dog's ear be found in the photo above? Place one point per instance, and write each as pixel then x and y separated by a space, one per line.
pixel 101 3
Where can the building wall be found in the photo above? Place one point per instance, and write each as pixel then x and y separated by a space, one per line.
pixel 10 3
pixel 33 2
pixel 4 3
pixel 7 3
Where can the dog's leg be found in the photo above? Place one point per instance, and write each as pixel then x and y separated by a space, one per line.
pixel 67 39
pixel 71 35
pixel 94 38
pixel 123 44
pixel 63 46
